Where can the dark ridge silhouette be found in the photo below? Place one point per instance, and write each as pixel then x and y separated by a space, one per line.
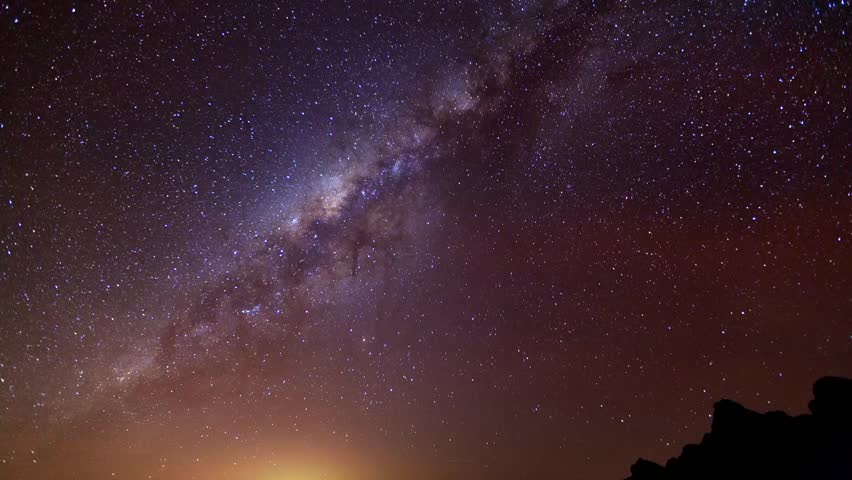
pixel 743 444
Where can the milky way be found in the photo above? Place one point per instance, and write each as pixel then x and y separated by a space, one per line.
pixel 357 240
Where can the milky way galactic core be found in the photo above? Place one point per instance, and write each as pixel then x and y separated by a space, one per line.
pixel 422 240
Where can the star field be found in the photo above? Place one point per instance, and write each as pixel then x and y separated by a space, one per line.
pixel 413 240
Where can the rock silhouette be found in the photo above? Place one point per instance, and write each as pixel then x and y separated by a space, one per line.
pixel 744 444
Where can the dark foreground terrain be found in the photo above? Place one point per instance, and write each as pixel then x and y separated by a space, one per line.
pixel 747 444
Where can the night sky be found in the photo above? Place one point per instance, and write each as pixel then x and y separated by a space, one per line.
pixel 368 240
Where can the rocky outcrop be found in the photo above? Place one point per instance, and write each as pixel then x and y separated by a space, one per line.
pixel 744 444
